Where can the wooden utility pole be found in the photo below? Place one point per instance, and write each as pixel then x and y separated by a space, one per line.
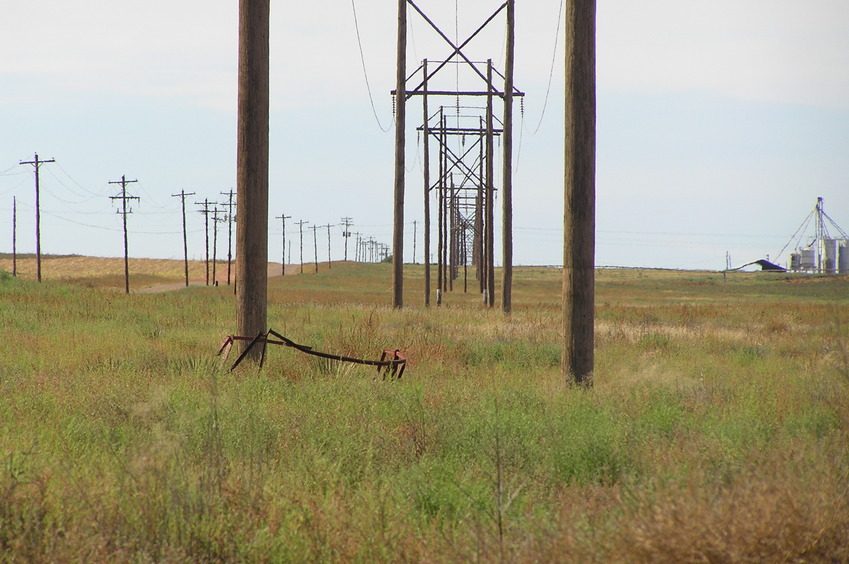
pixel 347 222
pixel 230 217
pixel 215 221
pixel 440 215
pixel 414 241
pixel 14 236
pixel 284 218
pixel 451 237
pixel 301 239
pixel 329 262
pixel 252 170
pixel 426 170
pixel 36 164
pixel 400 126
pixel 358 243
pixel 124 211
pixel 579 193
pixel 182 195
pixel 206 211
pixel 490 187
pixel 315 229
pixel 507 164
pixel 480 260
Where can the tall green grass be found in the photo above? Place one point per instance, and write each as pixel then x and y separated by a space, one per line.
pixel 716 429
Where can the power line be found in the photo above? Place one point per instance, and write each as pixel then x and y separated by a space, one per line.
pixel 365 73
pixel 3 172
pixel 83 188
pixel 551 70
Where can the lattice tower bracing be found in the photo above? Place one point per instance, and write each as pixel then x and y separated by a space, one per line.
pixel 463 185
pixel 459 190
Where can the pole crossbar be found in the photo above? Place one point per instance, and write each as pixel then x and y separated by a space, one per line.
pixel 457 50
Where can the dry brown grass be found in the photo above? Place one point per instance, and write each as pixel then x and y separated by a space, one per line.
pixel 772 511
pixel 715 432
pixel 108 272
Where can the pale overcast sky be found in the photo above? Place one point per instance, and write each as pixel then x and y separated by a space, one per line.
pixel 719 123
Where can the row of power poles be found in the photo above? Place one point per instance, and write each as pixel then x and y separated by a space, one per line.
pixel 366 250
pixel 123 209
pixel 463 178
pixel 226 213
pixel 579 169
pixel 124 201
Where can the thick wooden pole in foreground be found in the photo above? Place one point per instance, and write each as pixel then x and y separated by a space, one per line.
pixel 579 193
pixel 252 169
pixel 400 125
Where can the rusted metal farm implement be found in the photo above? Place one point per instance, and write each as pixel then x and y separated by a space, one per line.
pixel 391 363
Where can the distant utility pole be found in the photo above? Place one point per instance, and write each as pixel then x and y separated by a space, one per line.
pixel 205 211
pixel 215 221
pixel 579 193
pixel 284 218
pixel 124 211
pixel 329 262
pixel 315 243
pixel 357 245
pixel 301 231
pixel 414 242
pixel 347 222
pixel 14 236
pixel 37 163
pixel 182 195
pixel 230 217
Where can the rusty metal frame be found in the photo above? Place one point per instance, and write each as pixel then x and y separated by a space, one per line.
pixel 391 360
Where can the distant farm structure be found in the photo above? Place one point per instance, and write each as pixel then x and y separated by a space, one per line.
pixel 826 251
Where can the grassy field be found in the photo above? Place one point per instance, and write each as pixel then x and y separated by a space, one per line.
pixel 108 273
pixel 716 429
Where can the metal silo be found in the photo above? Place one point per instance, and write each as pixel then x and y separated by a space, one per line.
pixel 795 261
pixel 829 255
pixel 843 257
pixel 808 258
